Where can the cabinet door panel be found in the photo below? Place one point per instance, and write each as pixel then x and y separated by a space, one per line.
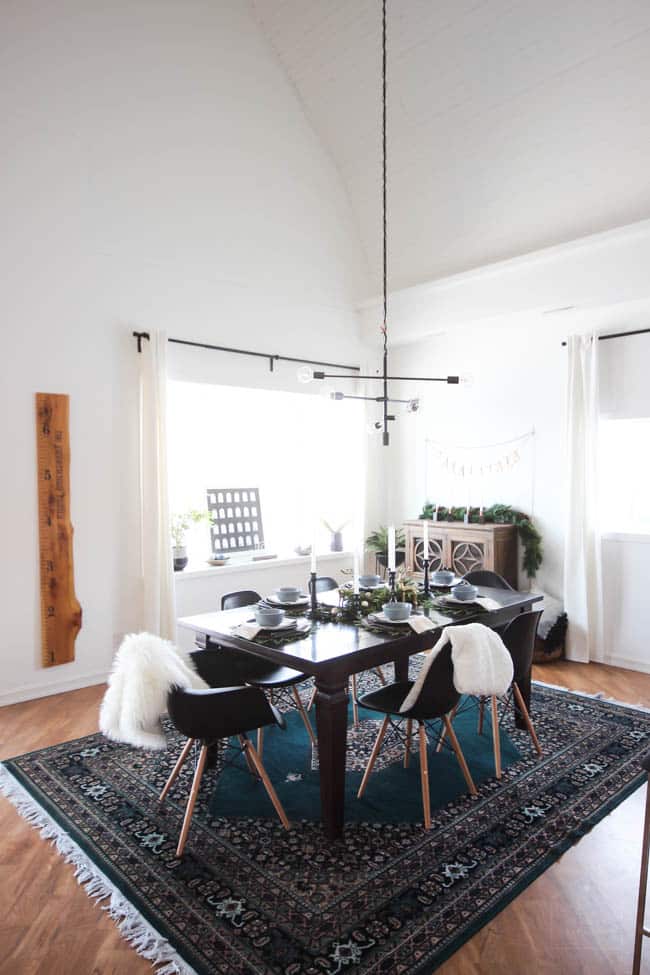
pixel 436 553
pixel 467 556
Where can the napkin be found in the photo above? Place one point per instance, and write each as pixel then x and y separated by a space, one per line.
pixel 484 601
pixel 420 624
pixel 246 630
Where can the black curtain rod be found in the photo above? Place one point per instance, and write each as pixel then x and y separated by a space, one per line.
pixel 272 359
pixel 621 335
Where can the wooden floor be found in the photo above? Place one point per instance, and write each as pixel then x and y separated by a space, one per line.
pixel 576 919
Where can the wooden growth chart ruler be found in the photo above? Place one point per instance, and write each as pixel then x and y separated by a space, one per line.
pixel 60 611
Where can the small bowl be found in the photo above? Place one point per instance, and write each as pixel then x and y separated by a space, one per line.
pixel 464 591
pixel 397 611
pixel 288 594
pixel 442 577
pixel 370 581
pixel 267 616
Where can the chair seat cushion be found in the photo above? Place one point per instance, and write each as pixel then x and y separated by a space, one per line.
pixel 386 699
pixel 276 677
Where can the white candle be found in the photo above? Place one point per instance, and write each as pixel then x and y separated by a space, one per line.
pixel 425 539
pixel 313 555
pixel 355 573
pixel 435 514
pixel 391 548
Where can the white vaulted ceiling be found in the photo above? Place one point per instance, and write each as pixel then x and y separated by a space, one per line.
pixel 512 125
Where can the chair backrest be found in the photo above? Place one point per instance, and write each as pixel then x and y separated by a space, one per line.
pixel 324 584
pixel 244 597
pixel 519 638
pixel 219 712
pixel 484 577
pixel 438 695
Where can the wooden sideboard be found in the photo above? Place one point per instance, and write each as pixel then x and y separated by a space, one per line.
pixel 462 548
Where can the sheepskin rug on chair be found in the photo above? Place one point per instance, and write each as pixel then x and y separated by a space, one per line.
pixel 145 669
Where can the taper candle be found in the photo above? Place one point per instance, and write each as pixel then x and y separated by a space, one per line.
pixel 425 539
pixel 391 548
pixel 355 573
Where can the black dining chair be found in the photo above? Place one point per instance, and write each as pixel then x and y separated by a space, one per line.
pixel 519 638
pixel 436 699
pixel 641 931
pixel 485 577
pixel 209 719
pixel 278 681
pixel 323 584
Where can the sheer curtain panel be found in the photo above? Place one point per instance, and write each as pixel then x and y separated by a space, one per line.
pixel 157 574
pixel 582 566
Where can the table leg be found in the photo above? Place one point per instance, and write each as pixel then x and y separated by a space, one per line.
pixel 332 724
pixel 402 668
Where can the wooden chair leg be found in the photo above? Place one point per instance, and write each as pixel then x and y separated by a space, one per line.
pixel 260 741
pixel 380 675
pixel 191 802
pixel 312 699
pixel 481 714
pixel 251 767
pixel 409 731
pixel 443 733
pixel 521 704
pixel 496 738
pixel 303 714
pixel 643 884
pixel 424 776
pixel 373 756
pixel 455 744
pixel 268 785
pixel 355 706
pixel 179 765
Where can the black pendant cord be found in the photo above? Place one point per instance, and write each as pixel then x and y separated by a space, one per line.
pixel 385 435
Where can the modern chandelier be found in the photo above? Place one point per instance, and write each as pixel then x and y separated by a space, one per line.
pixel 306 374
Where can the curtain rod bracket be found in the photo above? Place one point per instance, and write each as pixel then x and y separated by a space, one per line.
pixel 140 336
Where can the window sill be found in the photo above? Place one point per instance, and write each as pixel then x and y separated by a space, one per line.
pixel 642 537
pixel 194 572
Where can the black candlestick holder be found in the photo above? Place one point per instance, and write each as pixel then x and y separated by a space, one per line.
pixel 425 563
pixel 391 585
pixel 313 610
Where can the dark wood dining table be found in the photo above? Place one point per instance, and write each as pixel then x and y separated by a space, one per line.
pixel 331 652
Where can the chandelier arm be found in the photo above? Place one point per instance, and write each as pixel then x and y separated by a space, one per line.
pixel 452 380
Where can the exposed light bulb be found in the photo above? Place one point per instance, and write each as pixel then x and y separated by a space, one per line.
pixel 305 374
pixel 327 392
pixel 373 426
pixel 467 379
pixel 412 406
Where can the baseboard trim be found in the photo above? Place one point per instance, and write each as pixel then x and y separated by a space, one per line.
pixel 627 663
pixel 29 692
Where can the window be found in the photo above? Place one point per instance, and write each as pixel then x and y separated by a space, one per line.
pixel 624 460
pixel 305 454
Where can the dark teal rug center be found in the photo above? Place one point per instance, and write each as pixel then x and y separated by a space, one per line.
pixel 393 792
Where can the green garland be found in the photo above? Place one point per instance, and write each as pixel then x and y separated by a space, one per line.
pixel 499 514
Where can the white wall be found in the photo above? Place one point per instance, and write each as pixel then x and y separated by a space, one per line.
pixel 492 325
pixel 158 173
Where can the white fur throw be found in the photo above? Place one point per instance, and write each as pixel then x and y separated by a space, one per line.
pixel 482 664
pixel 144 671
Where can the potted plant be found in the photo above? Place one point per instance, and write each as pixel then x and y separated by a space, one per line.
pixel 178 525
pixel 377 541
pixel 336 541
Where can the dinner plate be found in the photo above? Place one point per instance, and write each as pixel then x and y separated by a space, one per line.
pixel 286 624
pixel 380 618
pixel 274 601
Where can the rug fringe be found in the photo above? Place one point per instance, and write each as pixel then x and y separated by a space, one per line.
pixel 131 924
pixel 597 696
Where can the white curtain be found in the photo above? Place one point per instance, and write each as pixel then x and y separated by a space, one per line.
pixel 157 573
pixel 582 568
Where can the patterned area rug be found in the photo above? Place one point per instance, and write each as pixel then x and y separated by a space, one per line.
pixel 249 897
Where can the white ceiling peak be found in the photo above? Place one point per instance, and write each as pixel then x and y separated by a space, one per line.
pixel 512 126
